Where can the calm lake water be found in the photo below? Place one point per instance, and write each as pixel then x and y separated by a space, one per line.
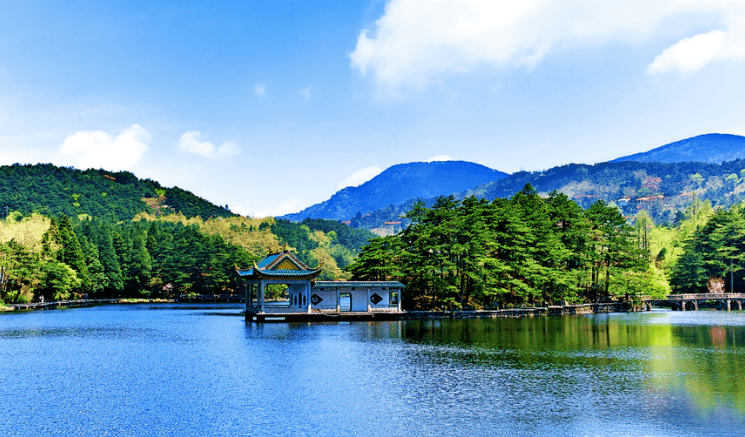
pixel 191 370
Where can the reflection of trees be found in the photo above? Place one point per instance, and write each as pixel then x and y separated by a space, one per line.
pixel 694 371
pixel 702 363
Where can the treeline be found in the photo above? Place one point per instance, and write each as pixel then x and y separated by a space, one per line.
pixel 126 259
pixel 157 256
pixel 525 250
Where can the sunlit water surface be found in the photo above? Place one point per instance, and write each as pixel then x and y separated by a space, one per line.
pixel 196 370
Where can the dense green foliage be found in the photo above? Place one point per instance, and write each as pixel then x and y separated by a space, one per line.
pixel 715 251
pixel 343 245
pixel 353 239
pixel 126 259
pixel 54 191
pixel 116 235
pixel 525 250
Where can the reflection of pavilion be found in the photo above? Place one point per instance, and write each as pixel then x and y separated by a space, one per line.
pixel 309 299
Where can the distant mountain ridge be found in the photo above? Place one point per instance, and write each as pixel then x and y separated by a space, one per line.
pixel 661 181
pixel 710 148
pixel 661 189
pixel 398 184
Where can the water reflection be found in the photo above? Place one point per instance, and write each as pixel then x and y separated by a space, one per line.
pixel 191 370
pixel 681 370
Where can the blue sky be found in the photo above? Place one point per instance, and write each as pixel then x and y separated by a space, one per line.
pixel 271 106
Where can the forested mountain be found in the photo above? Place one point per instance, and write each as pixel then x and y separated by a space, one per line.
pixel 52 190
pixel 632 187
pixel 661 189
pixel 65 233
pixel 711 148
pixel 398 184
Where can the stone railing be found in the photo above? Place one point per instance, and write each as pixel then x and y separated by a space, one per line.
pixel 699 296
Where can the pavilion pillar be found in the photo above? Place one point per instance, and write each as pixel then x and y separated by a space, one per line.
pixel 400 298
pixel 368 300
pixel 729 305
pixel 307 297
pixel 338 300
pixel 246 297
pixel 683 305
pixel 261 295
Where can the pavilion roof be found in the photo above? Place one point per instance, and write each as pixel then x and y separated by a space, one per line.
pixel 358 284
pixel 280 265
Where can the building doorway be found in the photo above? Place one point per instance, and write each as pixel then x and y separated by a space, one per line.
pixel 345 301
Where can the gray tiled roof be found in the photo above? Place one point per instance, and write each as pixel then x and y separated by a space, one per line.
pixel 358 284
pixel 279 272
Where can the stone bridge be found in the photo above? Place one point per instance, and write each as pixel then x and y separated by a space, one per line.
pixel 683 302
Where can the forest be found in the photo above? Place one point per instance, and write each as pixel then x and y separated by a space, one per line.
pixel 523 251
pixel 547 250
pixel 158 257
pixel 68 233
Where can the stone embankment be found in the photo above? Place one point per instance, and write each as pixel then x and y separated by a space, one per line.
pixel 593 308
pixel 72 303
pixel 58 304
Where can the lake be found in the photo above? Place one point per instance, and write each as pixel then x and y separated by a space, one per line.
pixel 191 370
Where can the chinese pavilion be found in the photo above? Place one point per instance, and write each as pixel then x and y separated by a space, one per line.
pixel 308 299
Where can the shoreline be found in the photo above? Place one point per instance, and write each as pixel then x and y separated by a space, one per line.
pixel 559 310
pixel 75 303
pixel 562 310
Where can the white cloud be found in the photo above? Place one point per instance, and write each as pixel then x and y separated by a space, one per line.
pixel 286 207
pixel 189 142
pixel 240 210
pixel 260 90
pixel 98 149
pixel 440 158
pixel 306 93
pixel 416 40
pixel 359 177
pixel 692 54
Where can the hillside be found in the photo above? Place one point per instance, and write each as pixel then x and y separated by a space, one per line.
pixel 398 184
pixel 711 148
pixel 52 190
pixel 67 233
pixel 655 187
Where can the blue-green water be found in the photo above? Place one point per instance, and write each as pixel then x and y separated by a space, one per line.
pixel 191 370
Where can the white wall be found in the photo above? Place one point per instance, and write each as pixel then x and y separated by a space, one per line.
pixel 328 302
pixel 360 298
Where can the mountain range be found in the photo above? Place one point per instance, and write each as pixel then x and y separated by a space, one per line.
pixel 666 171
pixel 711 148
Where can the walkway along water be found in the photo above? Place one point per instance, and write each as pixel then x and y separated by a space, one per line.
pixel 60 304
pixel 683 302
